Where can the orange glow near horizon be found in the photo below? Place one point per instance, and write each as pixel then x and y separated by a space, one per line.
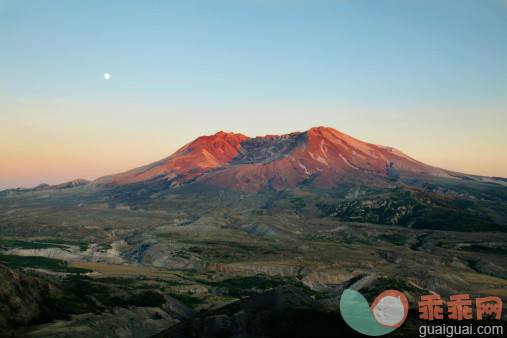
pixel 52 141
pixel 62 157
pixel 60 164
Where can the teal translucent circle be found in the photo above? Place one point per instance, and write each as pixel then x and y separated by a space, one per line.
pixel 357 314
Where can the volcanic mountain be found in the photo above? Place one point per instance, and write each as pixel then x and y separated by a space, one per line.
pixel 320 157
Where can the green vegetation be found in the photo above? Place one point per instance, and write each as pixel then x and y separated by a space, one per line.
pixel 395 239
pixel 245 286
pixel 298 204
pixel 40 244
pixel 194 249
pixel 187 299
pixel 484 249
pixel 129 284
pixel 240 286
pixel 336 238
pixel 417 208
pixel 228 246
pixel 376 209
pixel 390 283
pixel 14 243
pixel 119 281
pixel 321 239
pixel 146 298
pixel 124 283
pixel 82 245
pixel 419 242
pixel 85 294
pixel 62 307
pixel 453 220
pixel 19 262
pixel 80 295
pixel 179 237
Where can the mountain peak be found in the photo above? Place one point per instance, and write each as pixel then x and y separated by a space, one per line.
pixel 321 129
pixel 228 134
pixel 230 137
pixel 326 132
pixel 321 157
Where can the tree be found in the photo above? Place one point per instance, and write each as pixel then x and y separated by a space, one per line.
pixel 298 204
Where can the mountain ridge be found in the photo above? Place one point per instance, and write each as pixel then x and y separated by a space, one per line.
pixel 323 155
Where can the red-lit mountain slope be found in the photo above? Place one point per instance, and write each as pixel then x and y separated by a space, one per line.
pixel 320 157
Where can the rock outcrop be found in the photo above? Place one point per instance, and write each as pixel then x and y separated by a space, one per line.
pixel 20 296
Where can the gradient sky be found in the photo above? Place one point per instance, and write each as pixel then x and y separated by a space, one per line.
pixel 427 77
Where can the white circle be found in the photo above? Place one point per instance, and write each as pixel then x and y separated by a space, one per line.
pixel 107 76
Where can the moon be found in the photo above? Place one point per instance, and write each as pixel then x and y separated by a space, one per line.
pixel 107 76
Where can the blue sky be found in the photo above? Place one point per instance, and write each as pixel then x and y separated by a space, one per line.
pixel 428 77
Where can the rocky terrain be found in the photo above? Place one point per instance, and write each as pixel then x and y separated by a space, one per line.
pixel 239 236
pixel 21 296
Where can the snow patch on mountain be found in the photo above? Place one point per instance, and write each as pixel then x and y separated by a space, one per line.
pixel 304 168
pixel 347 162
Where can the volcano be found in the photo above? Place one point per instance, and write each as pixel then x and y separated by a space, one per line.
pixel 318 173
pixel 320 157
